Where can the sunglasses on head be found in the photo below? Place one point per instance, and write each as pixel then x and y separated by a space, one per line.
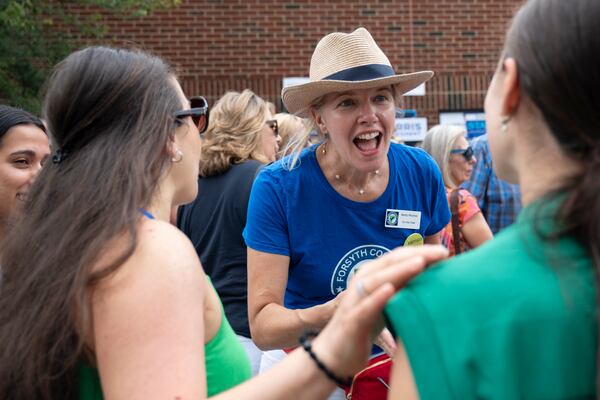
pixel 198 111
pixel 272 123
pixel 466 153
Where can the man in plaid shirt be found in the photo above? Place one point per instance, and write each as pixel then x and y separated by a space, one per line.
pixel 500 202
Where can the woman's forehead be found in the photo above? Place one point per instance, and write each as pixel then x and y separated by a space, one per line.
pixel 358 92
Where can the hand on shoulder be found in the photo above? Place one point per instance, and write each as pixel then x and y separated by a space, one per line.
pixel 345 343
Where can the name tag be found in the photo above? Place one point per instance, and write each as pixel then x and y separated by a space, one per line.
pixel 402 219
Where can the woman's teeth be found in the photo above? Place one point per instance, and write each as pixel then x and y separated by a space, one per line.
pixel 368 136
pixel 367 141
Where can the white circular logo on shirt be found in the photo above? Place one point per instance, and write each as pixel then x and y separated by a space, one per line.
pixel 350 263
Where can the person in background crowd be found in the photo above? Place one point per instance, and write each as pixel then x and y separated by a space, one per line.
pixel 241 137
pixel 448 146
pixel 314 217
pixel 517 318
pixel 271 107
pixel 24 149
pixel 101 297
pixel 499 201
pixel 290 127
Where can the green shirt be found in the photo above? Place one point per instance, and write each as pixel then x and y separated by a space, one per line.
pixel 512 319
pixel 226 362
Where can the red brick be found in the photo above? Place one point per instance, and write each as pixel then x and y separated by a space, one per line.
pixel 269 39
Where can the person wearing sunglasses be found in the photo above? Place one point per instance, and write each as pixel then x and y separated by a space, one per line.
pixel 468 228
pixel 198 112
pixel 241 137
pixel 101 297
pixel 291 129
pixel 271 141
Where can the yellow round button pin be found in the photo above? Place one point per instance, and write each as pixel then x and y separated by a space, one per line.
pixel 414 239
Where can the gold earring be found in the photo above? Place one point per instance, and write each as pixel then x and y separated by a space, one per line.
pixel 178 156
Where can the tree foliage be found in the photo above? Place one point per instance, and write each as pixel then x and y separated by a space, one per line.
pixel 36 34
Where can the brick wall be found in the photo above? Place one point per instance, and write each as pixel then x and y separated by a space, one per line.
pixel 220 45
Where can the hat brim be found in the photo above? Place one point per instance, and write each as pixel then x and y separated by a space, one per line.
pixel 297 98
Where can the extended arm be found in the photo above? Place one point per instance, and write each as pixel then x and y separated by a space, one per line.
pixel 272 325
pixel 149 326
pixel 344 344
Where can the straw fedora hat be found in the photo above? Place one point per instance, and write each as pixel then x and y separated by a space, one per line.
pixel 347 61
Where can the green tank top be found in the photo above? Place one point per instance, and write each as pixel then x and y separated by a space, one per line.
pixel 226 361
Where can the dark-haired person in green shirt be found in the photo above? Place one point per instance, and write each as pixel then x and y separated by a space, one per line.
pixel 517 317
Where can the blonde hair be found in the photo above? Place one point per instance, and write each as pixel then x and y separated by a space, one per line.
pixel 290 126
pixel 234 132
pixel 271 107
pixel 295 146
pixel 438 142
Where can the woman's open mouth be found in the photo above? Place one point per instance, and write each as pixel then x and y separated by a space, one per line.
pixel 368 143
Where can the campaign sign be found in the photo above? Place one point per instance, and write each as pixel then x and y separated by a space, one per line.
pixel 411 129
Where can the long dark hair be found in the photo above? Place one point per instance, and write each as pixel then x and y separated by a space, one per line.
pixel 109 111
pixel 556 45
pixel 10 116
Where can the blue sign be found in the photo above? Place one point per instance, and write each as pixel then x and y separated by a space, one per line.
pixel 409 113
pixel 475 124
pixel 475 128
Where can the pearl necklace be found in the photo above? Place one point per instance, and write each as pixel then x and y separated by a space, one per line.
pixel 361 191
pixel 338 177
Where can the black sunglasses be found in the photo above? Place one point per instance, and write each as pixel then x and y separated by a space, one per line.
pixel 273 125
pixel 198 111
pixel 466 153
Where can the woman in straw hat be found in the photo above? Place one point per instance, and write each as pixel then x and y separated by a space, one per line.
pixel 317 215
pixel 101 297
pixel 523 320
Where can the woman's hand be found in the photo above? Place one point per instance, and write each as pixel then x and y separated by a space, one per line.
pixel 345 343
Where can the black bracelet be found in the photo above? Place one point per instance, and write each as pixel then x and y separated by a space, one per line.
pixel 305 341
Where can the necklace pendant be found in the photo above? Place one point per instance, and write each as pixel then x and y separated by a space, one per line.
pixel 337 177
pixel 361 191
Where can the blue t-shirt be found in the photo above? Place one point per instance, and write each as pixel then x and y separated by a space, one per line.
pixel 327 236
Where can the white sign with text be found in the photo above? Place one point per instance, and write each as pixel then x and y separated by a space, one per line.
pixel 411 129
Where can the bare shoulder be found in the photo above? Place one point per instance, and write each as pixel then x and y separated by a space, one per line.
pixel 162 241
pixel 163 253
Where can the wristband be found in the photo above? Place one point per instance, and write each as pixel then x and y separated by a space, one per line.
pixel 305 341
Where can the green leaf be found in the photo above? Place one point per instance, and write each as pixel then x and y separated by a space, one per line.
pixel 36 34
